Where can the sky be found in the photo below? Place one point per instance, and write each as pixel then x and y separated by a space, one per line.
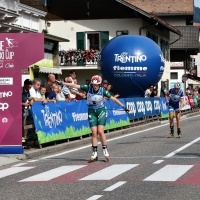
pixel 197 3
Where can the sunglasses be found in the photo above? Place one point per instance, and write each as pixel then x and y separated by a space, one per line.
pixel 96 85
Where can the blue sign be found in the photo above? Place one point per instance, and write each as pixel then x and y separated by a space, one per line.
pixel 164 110
pixel 142 107
pixel 68 120
pixel 131 63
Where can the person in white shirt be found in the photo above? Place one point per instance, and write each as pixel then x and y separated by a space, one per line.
pixel 148 91
pixel 35 91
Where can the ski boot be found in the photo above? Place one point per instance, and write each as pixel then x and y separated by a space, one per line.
pixel 94 156
pixel 25 145
pixel 105 152
pixel 179 133
pixel 170 135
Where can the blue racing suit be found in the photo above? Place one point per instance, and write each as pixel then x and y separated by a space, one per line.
pixel 175 99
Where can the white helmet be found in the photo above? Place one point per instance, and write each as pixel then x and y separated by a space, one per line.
pixel 177 85
pixel 96 79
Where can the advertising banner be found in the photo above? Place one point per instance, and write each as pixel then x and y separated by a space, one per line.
pixel 68 120
pixel 186 103
pixel 191 101
pixel 17 51
pixel 195 101
pixel 142 107
pixel 164 108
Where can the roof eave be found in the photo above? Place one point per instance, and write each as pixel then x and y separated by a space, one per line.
pixel 150 16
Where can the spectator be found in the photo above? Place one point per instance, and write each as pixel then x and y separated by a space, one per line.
pixel 72 74
pixel 164 89
pixel 42 91
pixel 50 82
pixel 188 90
pixel 60 96
pixel 52 95
pixel 34 91
pixel 196 89
pixel 198 97
pixel 105 84
pixel 154 93
pixel 66 91
pixel 26 97
pixel 26 102
pixel 73 92
pixel 109 87
pixel 148 91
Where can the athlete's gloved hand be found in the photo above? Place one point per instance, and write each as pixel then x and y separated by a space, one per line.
pixel 125 108
pixel 167 103
pixel 60 83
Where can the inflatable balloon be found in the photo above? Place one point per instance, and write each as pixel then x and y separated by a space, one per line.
pixel 131 63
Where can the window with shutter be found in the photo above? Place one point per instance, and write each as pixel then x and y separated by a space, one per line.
pixel 104 38
pixel 80 37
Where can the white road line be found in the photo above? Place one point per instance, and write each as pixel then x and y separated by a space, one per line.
pixel 158 161
pixel 181 148
pixel 32 161
pixel 169 173
pixel 110 172
pixel 13 170
pixel 54 173
pixel 116 185
pixel 18 165
pixel 84 147
pixel 95 197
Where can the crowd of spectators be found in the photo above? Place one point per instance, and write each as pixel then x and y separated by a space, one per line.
pixel 53 91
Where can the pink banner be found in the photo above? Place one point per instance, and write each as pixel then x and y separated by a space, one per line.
pixel 17 51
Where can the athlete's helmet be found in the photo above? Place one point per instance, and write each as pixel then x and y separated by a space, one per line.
pixel 177 85
pixel 96 79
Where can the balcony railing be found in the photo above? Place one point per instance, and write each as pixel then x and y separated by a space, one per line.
pixel 79 57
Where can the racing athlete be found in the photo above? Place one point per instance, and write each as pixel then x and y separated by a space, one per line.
pixel 175 103
pixel 97 112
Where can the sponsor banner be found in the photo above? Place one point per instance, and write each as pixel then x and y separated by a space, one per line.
pixel 186 103
pixel 164 111
pixel 191 100
pixel 69 120
pixel 195 101
pixel 117 117
pixel 17 51
pixel 142 107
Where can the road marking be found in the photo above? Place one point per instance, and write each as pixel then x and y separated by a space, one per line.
pixel 181 148
pixel 110 172
pixel 18 165
pixel 32 161
pixel 169 173
pixel 13 170
pixel 54 173
pixel 95 197
pixel 84 147
pixel 158 161
pixel 116 185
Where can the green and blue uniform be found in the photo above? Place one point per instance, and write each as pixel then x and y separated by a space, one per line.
pixel 95 100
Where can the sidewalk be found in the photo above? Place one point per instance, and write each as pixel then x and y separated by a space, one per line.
pixel 37 152
pixel 9 159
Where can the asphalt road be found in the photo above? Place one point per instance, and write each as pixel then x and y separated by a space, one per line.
pixel 143 165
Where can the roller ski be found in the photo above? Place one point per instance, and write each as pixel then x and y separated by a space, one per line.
pixel 94 156
pixel 105 152
pixel 179 133
pixel 171 134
